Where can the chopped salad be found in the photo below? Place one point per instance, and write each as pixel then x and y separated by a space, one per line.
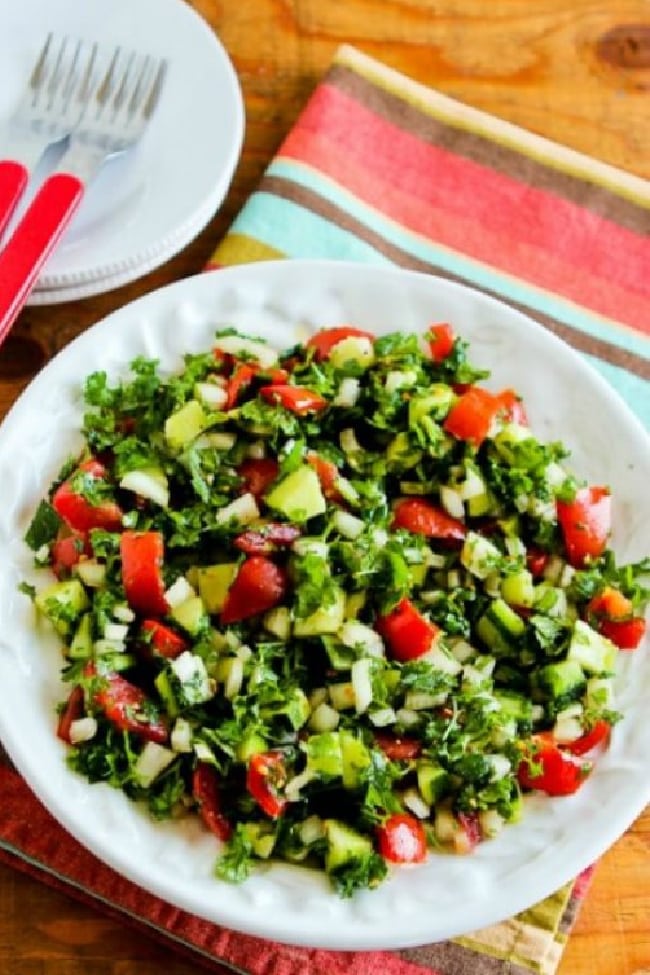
pixel 339 601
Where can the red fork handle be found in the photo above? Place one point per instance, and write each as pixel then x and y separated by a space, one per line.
pixel 13 180
pixel 33 241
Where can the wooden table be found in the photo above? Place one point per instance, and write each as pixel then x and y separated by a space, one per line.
pixel 577 72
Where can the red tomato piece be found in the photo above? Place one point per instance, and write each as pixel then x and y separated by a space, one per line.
pixel 238 382
pixel 267 539
pixel 73 710
pixel 402 839
pixel 559 776
pixel 471 416
pixel 423 518
pixel 597 735
pixel 536 560
pixel 142 558
pixel 66 552
pixel 441 341
pixel 205 789
pixel 324 341
pixel 267 775
pixel 610 604
pixel 408 634
pixel 79 513
pixel 626 634
pixel 396 748
pixel 328 475
pixel 586 523
pixel 164 641
pixel 258 475
pixel 128 707
pixel 296 399
pixel 259 585
pixel 512 407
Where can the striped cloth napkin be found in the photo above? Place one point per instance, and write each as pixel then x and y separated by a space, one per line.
pixel 380 169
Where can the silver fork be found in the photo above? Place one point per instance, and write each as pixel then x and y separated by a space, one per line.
pixel 117 108
pixel 46 113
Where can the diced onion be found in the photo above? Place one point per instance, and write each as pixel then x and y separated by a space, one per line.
pixel 91 573
pixel 348 525
pixel 348 392
pixel 237 345
pixel 242 510
pixel 211 395
pixel 83 729
pixel 382 717
pixel 179 592
pixel 452 501
pixel 324 718
pixel 416 804
pixel 362 684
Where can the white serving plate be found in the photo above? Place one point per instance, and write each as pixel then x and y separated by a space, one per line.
pixel 148 203
pixel 286 301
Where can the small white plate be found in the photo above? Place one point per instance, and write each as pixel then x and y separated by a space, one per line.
pixel 146 204
pixel 285 302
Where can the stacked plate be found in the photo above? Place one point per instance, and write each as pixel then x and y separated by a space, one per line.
pixel 145 205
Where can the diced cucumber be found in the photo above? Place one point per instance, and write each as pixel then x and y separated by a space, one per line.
pixel 185 424
pixel 298 496
pixel 344 845
pixel 433 781
pixel 251 744
pixel 81 645
pixel 213 583
pixel 324 756
pixel 591 650
pixel 600 693
pixel 508 437
pixel 148 482
pixel 551 600
pixel 194 683
pixel 518 589
pixel 261 836
pixel 278 622
pixel 342 696
pixel 355 758
pixel 63 603
pixel 152 760
pixel 190 614
pixel 500 628
pixel 242 511
pixel 560 681
pixel 518 707
pixel 401 454
pixel 324 718
pixel 241 346
pixel 354 349
pixel 326 619
pixel 354 603
pixel 91 572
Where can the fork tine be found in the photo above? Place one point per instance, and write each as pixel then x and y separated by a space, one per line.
pixel 106 85
pixel 37 75
pixel 120 94
pixel 155 90
pixel 69 83
pixel 134 101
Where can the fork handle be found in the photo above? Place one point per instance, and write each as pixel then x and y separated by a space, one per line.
pixel 32 242
pixel 13 180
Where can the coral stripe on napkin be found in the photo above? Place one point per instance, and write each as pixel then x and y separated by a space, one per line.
pixel 382 170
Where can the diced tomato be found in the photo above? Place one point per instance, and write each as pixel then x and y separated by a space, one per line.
pixel 259 585
pixel 258 475
pixel 267 539
pixel 468 834
pixel 471 416
pixel 328 475
pixel 597 735
pixel 441 341
pixel 238 382
pixel 324 341
pixel 265 777
pixel 611 613
pixel 205 789
pixel 225 361
pixel 511 407
pixel 142 558
pixel 79 513
pixel 164 641
pixel 610 604
pixel 559 775
pixel 423 518
pixel 586 523
pixel 396 748
pixel 66 552
pixel 73 710
pixel 536 560
pixel 296 399
pixel 626 634
pixel 408 634
pixel 402 839
pixel 128 707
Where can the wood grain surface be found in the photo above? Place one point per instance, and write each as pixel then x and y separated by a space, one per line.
pixel 577 71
